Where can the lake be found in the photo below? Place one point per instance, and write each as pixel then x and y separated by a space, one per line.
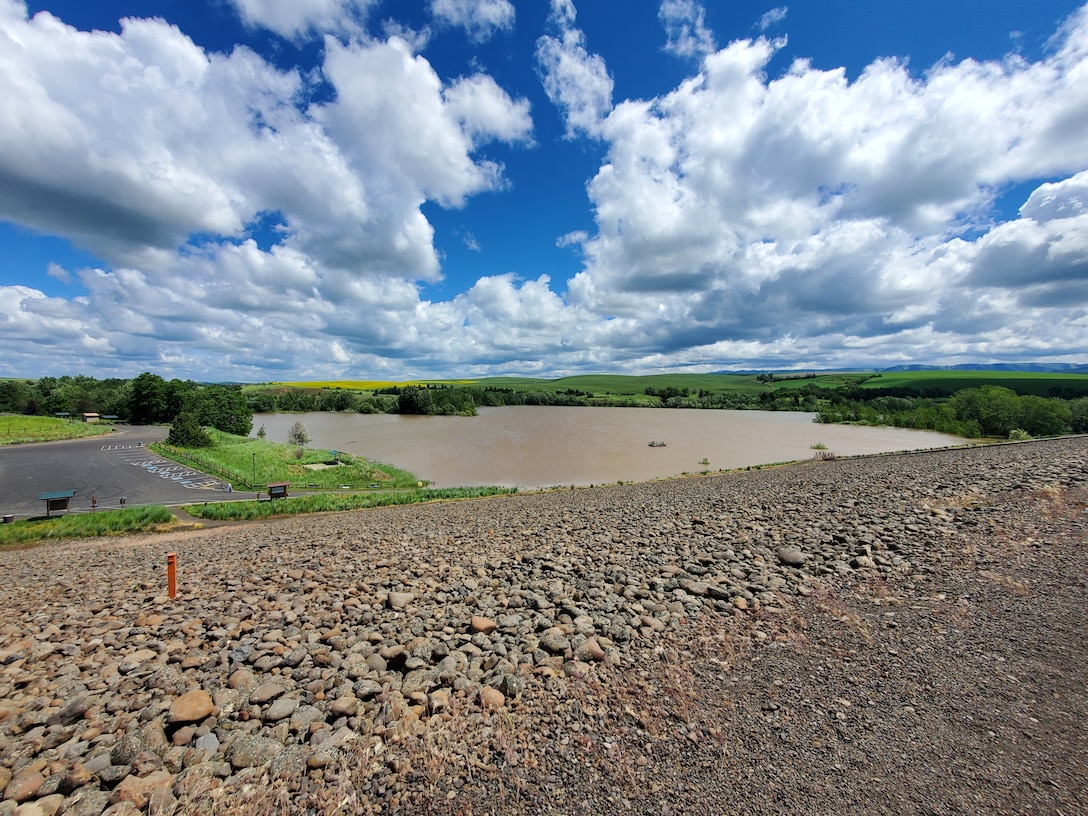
pixel 535 447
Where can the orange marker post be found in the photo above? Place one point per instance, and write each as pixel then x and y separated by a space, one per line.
pixel 172 573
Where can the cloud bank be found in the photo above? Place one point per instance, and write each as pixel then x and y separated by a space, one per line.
pixel 254 225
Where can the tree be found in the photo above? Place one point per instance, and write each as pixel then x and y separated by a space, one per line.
pixel 1040 416
pixel 298 435
pixel 415 400
pixel 186 432
pixel 181 395
pixel 147 403
pixel 15 396
pixel 55 399
pixel 998 411
pixel 223 407
pixel 337 400
pixel 78 393
pixel 113 396
pixel 995 409
pixel 1078 410
pixel 45 387
pixel 261 403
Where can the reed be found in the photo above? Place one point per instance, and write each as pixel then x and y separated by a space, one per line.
pixel 85 525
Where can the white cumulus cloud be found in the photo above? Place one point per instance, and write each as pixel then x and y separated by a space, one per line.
pixel 251 219
pixel 742 206
pixel 296 19
pixel 480 19
pixel 576 81
pixel 162 159
pixel 685 28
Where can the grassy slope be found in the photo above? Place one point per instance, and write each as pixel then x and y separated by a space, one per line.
pixel 16 428
pixel 239 460
pixel 85 525
pixel 1023 382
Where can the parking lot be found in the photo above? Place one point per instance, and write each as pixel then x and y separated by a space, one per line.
pixel 102 470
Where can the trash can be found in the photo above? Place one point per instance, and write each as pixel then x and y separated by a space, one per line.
pixel 9 519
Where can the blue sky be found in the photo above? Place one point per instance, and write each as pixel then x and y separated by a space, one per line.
pixel 350 189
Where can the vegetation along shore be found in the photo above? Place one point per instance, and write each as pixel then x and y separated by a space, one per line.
pixel 997 402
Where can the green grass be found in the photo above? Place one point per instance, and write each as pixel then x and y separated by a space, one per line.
pixel 17 428
pixel 253 463
pixel 85 525
pixel 336 502
pixel 1041 384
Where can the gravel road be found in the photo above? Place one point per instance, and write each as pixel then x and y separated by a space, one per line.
pixel 895 634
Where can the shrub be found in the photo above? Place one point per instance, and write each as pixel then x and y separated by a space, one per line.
pixel 186 432
pixel 298 435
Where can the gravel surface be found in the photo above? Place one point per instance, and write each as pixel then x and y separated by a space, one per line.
pixel 896 634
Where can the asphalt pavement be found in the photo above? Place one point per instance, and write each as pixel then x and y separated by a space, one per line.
pixel 102 469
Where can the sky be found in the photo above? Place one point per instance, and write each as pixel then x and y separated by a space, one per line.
pixel 285 190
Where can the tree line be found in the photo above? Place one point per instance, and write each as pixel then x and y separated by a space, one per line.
pixel 987 410
pixel 335 400
pixel 975 412
pixel 145 400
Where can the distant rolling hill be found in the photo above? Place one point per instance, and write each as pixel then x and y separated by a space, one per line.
pixel 1041 368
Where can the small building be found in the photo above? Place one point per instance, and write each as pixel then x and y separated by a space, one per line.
pixel 56 500
pixel 90 417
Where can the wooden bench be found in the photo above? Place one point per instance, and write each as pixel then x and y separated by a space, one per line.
pixel 278 491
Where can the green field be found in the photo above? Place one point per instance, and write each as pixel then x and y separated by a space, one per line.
pixel 1041 384
pixel 17 428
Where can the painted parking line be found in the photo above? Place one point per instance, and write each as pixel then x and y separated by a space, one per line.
pixel 184 476
pixel 137 456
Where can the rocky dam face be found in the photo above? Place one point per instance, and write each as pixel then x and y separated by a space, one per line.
pixel 883 634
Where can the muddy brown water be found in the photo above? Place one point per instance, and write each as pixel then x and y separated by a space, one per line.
pixel 534 447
